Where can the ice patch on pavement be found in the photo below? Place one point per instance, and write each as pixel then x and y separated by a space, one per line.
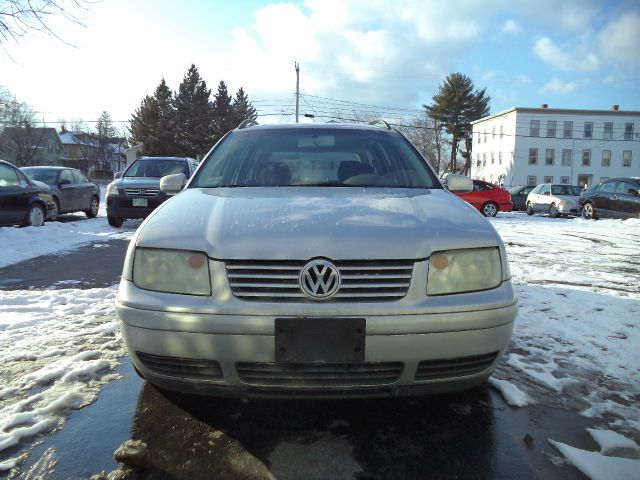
pixel 602 465
pixel 57 348
pixel 511 394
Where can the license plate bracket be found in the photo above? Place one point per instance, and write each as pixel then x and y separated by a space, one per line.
pixel 140 202
pixel 310 339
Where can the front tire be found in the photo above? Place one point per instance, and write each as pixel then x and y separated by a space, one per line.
pixel 115 221
pixel 54 213
pixel 553 211
pixel 529 209
pixel 489 209
pixel 589 211
pixel 35 216
pixel 93 208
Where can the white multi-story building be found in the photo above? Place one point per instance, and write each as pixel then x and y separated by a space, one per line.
pixel 528 146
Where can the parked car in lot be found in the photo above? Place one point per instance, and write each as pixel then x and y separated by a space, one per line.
pixel 489 199
pixel 556 200
pixel 613 198
pixel 136 193
pixel 519 196
pixel 315 261
pixel 72 191
pixel 22 201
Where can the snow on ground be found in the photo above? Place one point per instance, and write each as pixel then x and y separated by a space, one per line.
pixel 575 343
pixel 18 244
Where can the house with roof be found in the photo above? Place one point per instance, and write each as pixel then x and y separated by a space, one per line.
pixel 529 146
pixel 98 158
pixel 25 146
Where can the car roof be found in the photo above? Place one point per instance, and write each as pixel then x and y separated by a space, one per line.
pixel 164 158
pixel 46 167
pixel 318 126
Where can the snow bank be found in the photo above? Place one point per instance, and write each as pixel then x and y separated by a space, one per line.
pixel 511 394
pixel 56 350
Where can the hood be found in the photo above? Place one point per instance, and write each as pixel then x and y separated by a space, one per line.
pixel 139 182
pixel 568 198
pixel 42 186
pixel 306 222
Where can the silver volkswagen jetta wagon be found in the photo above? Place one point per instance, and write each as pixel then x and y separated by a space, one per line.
pixel 315 261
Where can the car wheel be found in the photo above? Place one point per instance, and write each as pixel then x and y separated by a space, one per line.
pixel 489 209
pixel 115 221
pixel 553 211
pixel 54 213
pixel 529 209
pixel 35 216
pixel 589 212
pixel 93 207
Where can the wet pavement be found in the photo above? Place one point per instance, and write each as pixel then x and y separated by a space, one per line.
pixel 472 434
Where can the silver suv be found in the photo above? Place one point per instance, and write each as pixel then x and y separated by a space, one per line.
pixel 136 193
pixel 315 260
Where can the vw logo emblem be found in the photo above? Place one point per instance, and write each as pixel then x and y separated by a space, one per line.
pixel 319 279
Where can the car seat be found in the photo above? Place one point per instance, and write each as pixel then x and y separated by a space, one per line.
pixel 351 168
pixel 273 174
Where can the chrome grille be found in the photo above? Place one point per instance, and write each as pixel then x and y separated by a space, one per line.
pixel 361 280
pixel 142 192
pixel 191 368
pixel 454 367
pixel 318 374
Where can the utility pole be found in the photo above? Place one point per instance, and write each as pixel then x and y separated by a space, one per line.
pixel 297 65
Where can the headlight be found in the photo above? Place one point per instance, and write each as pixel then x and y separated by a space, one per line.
pixel 112 189
pixel 171 271
pixel 469 270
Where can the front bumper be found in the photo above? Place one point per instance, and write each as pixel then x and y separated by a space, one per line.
pixel 569 209
pixel 234 355
pixel 122 206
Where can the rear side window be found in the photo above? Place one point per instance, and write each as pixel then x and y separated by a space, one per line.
pixel 8 177
pixel 315 157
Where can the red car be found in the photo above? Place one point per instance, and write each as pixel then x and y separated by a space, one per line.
pixel 488 198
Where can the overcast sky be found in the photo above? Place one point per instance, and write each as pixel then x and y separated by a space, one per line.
pixel 569 54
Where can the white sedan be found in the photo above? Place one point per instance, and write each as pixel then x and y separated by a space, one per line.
pixel 556 200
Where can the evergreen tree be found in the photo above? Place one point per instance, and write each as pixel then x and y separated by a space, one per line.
pixel 104 135
pixel 223 118
pixel 242 108
pixel 456 105
pixel 194 115
pixel 154 123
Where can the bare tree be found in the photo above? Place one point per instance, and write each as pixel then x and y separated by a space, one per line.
pixel 18 17
pixel 20 132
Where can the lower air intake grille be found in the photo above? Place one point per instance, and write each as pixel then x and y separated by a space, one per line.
pixel 191 368
pixel 454 367
pixel 319 374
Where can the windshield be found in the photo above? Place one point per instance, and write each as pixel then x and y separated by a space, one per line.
pixel 314 157
pixel 155 168
pixel 45 175
pixel 565 190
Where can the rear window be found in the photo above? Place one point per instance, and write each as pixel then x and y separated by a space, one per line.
pixel 314 157
pixel 155 168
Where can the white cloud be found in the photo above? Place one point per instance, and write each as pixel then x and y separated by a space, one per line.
pixel 619 40
pixel 558 87
pixel 512 27
pixel 565 57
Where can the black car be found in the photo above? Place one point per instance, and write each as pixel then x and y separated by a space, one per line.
pixel 71 190
pixel 613 198
pixel 22 201
pixel 519 196
pixel 137 193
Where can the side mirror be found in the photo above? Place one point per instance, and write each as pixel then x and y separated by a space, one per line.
pixel 459 183
pixel 172 184
pixel 117 175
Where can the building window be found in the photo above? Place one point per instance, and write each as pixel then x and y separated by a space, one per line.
pixel 548 179
pixel 493 132
pixel 568 130
pixel 564 180
pixel 606 158
pixel 479 136
pixel 608 131
pixel 549 157
pixel 531 180
pixel 485 136
pixel 478 162
pixel 626 158
pixel 628 131
pixel 588 129
pixel 484 159
pixel 551 128
pixel 534 128
pixel 500 157
pixel 566 157
pixel 493 159
pixel 533 156
pixel 501 131
pixel 586 158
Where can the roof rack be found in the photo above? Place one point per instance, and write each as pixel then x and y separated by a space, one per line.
pixel 247 122
pixel 380 122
